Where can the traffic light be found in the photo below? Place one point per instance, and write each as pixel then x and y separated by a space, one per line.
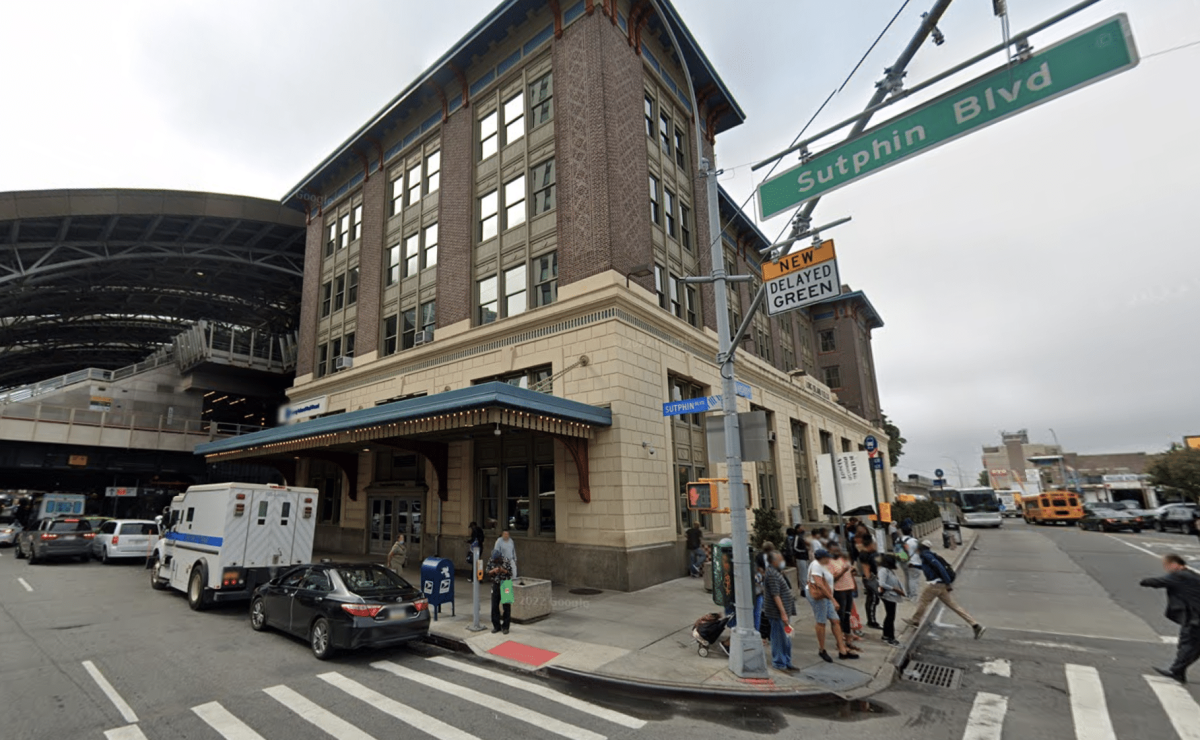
pixel 699 496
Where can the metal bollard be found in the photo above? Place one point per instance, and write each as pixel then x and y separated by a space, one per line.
pixel 476 574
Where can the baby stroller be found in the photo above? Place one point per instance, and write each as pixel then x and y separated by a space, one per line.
pixel 707 632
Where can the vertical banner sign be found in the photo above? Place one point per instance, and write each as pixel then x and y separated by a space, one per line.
pixel 855 478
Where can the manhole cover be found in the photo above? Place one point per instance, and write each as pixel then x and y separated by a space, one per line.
pixel 586 591
pixel 931 674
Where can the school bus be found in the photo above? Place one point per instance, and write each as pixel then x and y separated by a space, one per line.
pixel 1052 507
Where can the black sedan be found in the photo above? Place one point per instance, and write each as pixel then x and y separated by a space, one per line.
pixel 1110 520
pixel 341 606
pixel 1178 518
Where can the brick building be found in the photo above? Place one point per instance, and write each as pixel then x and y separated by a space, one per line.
pixel 493 317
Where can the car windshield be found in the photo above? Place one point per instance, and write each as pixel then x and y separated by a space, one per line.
pixel 979 502
pixel 70 525
pixel 371 580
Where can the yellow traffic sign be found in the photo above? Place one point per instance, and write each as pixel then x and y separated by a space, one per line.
pixel 797 261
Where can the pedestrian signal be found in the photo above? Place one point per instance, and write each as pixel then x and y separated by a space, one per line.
pixel 699 496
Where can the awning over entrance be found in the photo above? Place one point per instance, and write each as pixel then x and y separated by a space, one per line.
pixel 417 424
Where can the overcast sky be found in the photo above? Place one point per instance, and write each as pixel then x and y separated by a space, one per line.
pixel 1037 274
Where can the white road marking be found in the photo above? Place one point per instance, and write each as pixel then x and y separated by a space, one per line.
pixel 226 725
pixel 1169 639
pixel 1179 705
pixel 1053 645
pixel 122 706
pixel 1139 548
pixel 327 721
pixel 986 720
pixel 500 706
pixel 998 667
pixel 128 732
pixel 402 712
pixel 545 692
pixel 25 583
pixel 1088 706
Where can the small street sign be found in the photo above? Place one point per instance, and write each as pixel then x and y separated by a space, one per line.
pixel 939 473
pixel 743 389
pixel 871 443
pixel 1089 56
pixel 802 278
pixel 940 482
pixel 877 463
pixel 691 405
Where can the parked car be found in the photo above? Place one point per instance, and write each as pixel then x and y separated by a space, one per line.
pixel 9 533
pixel 124 538
pixel 1110 520
pixel 341 606
pixel 1177 518
pixel 59 537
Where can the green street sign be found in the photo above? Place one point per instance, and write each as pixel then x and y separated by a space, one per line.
pixel 1089 56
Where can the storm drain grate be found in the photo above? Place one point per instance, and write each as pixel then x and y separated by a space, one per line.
pixel 931 674
pixel 586 591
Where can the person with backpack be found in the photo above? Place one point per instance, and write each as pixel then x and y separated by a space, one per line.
pixel 910 552
pixel 939 580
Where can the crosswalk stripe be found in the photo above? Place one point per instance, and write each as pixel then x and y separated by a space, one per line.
pixel 128 732
pixel 986 720
pixel 1179 705
pixel 545 692
pixel 407 714
pixel 1089 709
pixel 325 720
pixel 226 725
pixel 515 711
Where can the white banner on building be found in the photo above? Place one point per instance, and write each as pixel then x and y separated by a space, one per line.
pixel 854 470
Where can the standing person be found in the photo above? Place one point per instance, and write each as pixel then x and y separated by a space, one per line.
pixel 938 584
pixel 789 547
pixel 868 566
pixel 508 549
pixel 800 553
pixel 695 550
pixel 1183 608
pixel 820 598
pixel 779 609
pixel 399 552
pixel 499 569
pixel 890 591
pixel 761 565
pixel 913 569
pixel 843 592
pixel 474 541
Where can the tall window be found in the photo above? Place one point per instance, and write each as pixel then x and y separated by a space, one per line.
pixel 690 450
pixel 489 132
pixel 543 181
pixel 669 202
pixel 832 376
pixel 489 300
pixel 826 442
pixel 322 359
pixel 391 333
pixel 428 316
pixel 664 133
pixel 339 292
pixel 649 113
pixel 331 239
pixel 430 254
pixel 348 347
pixel 489 205
pixel 826 340
pixel 343 231
pixel 393 264
pixel 356 223
pixel 433 172
pixel 408 328
pixel 412 254
pixel 680 149
pixel 803 476
pixel 541 99
pixel 735 307
pixel 352 288
pixel 685 227
pixel 514 202
pixel 545 499
pixel 655 203
pixel 660 285
pixel 676 302
pixel 413 179
pixel 691 306
pixel 515 296
pixel 397 194
pixel 514 118
pixel 326 298
pixel 545 272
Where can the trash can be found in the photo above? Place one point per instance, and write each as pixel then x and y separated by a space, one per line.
pixel 437 583
pixel 951 535
pixel 722 573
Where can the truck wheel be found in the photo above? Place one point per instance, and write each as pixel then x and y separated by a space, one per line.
pixel 197 594
pixel 258 614
pixel 319 639
pixel 156 583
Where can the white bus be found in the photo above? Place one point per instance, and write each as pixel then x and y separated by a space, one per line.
pixel 970 507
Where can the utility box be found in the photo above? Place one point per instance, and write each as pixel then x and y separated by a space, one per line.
pixel 437 583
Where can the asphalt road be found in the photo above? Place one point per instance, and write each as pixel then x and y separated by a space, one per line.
pixel 1058 603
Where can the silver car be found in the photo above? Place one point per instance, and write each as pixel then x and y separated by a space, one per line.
pixel 8 533
pixel 56 538
pixel 125 538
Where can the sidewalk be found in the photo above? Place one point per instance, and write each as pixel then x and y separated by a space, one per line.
pixel 642 641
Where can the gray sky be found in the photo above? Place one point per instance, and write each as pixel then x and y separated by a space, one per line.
pixel 1035 274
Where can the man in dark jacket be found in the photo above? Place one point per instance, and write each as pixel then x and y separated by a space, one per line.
pixel 1183 608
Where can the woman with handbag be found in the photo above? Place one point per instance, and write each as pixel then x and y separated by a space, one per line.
pixel 500 570
pixel 843 593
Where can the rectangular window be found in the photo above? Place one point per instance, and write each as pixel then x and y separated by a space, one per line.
pixel 352 288
pixel 545 500
pixel 655 205
pixel 649 113
pixel 488 135
pixel 348 345
pixel 326 298
pixel 489 300
pixel 322 359
pixel 669 202
pixel 397 194
pixel 331 242
pixel 433 172
pixel 408 329
pixel 543 187
pixel 826 340
pixel 393 264
pixel 391 332
pixel 833 376
pixel 685 228
pixel 339 293
pixel 660 285
pixel 429 256
pixel 412 254
pixel 545 271
pixel 826 442
pixel 845 445
pixel 515 290
pixel 692 307
pixel 356 225
pixel 335 351
pixel 541 99
pixel 514 118
pixel 344 229
pixel 428 316
pixel 488 220
pixel 413 179
pixel 680 149
pixel 514 202
pixel 664 133
pixel 676 303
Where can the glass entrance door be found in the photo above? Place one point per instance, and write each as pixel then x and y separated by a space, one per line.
pixel 393 515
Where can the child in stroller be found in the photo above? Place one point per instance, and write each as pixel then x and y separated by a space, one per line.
pixel 707 632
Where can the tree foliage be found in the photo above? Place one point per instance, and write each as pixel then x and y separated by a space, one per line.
pixel 1177 469
pixel 767 528
pixel 984 480
pixel 895 441
pixel 918 511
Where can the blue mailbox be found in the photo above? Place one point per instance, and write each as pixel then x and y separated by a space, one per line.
pixel 437 583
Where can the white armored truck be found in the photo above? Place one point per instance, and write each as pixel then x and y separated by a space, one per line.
pixel 223 540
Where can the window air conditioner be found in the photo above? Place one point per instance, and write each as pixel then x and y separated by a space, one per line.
pixel 344 362
pixel 422 337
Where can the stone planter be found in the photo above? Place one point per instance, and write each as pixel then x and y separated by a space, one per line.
pixel 531 599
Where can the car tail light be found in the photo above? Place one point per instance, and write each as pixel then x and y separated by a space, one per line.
pixel 232 578
pixel 48 536
pixel 420 605
pixel 89 535
pixel 115 540
pixel 361 610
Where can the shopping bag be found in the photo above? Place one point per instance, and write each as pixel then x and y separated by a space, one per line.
pixel 855 622
pixel 506 591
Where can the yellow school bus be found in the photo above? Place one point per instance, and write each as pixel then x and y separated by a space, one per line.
pixel 1052 507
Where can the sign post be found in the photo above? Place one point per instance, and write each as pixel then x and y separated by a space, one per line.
pixel 476 577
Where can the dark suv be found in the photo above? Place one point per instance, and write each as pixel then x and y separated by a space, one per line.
pixel 56 538
pixel 1181 518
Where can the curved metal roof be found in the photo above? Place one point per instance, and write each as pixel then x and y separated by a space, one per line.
pixel 102 278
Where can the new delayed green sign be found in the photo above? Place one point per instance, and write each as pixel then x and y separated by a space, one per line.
pixel 1089 56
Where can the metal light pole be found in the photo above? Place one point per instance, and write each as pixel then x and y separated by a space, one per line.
pixel 1062 461
pixel 746 657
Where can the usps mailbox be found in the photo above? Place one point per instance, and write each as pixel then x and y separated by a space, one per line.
pixel 437 583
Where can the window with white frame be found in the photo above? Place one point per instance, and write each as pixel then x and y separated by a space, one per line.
pixel 331 239
pixel 685 227
pixel 398 194
pixel 489 218
pixel 489 299
pixel 649 115
pixel 412 178
pixel 352 286
pixel 664 133
pixel 514 202
pixel 680 149
pixel 339 292
pixel 412 254
pixel 489 135
pixel 391 334
pixel 428 316
pixel 655 201
pixel 516 282
pixel 433 172
pixel 660 285
pixel 344 231
pixel 669 207
pixel 545 278
pixel 543 183
pixel 393 265
pixel 326 298
pixel 514 118
pixel 429 253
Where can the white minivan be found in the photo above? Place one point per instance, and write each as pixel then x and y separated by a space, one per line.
pixel 125 538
